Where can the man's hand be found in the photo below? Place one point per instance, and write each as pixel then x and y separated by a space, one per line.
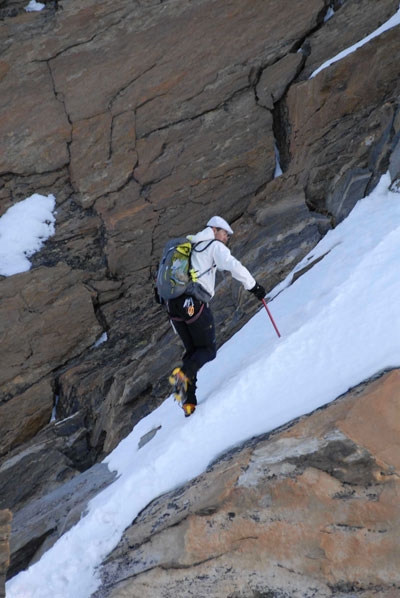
pixel 258 291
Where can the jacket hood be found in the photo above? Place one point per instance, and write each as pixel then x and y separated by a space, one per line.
pixel 204 235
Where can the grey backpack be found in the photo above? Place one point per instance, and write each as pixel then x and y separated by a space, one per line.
pixel 175 274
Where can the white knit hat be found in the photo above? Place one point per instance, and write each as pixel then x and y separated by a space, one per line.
pixel 219 222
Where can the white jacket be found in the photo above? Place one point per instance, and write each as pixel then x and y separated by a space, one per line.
pixel 215 256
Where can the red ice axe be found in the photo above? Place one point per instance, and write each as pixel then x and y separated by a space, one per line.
pixel 271 318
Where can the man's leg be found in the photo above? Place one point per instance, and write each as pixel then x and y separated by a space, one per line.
pixel 195 326
pixel 202 334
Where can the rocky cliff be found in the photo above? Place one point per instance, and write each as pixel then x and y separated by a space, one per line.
pixel 309 511
pixel 5 530
pixel 143 119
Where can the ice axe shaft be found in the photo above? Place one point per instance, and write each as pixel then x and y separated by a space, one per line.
pixel 271 318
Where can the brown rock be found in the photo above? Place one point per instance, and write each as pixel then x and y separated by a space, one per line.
pixel 275 80
pixel 128 220
pixel 5 530
pixel 36 131
pixel 218 157
pixel 372 422
pixel 103 155
pixel 341 122
pixel 34 408
pixel 338 33
pixel 170 83
pixel 179 76
pixel 37 311
pixel 311 509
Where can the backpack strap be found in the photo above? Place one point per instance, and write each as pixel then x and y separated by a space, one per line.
pixel 199 251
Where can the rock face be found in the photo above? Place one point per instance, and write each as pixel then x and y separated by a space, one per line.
pixel 5 529
pixel 332 184
pixel 310 511
pixel 41 522
pixel 144 119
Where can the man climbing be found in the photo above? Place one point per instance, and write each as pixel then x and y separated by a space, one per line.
pixel 191 315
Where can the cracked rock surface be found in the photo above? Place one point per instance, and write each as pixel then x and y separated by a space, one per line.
pixel 311 510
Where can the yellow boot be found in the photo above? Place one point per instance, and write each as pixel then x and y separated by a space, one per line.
pixel 180 382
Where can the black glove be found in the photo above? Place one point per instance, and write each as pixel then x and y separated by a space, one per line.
pixel 258 291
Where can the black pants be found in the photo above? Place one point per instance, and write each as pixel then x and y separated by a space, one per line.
pixel 194 322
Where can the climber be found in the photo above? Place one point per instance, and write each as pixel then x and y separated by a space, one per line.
pixel 192 317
